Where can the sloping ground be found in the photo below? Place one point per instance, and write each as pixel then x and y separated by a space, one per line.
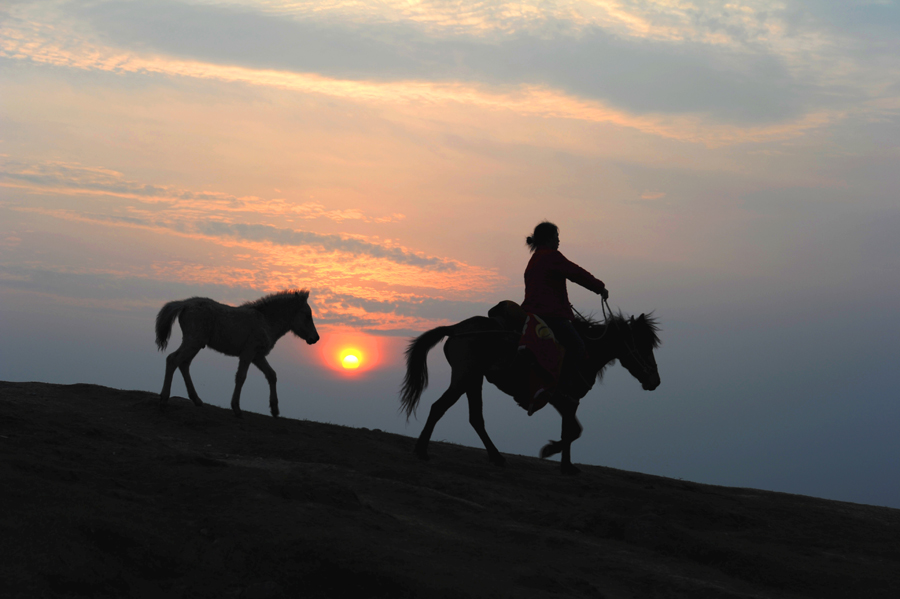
pixel 103 495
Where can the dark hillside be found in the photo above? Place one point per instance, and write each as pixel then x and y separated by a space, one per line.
pixel 104 496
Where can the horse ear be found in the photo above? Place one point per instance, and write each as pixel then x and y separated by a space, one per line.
pixel 642 317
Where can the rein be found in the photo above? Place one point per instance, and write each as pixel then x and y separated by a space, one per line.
pixel 501 331
pixel 606 320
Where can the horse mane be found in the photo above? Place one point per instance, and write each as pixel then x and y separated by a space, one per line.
pixel 653 330
pixel 588 326
pixel 277 301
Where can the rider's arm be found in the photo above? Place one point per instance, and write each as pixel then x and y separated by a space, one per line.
pixel 578 275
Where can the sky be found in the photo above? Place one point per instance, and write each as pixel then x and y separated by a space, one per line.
pixel 731 166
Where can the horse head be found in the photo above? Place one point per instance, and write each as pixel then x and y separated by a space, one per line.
pixel 302 324
pixel 639 339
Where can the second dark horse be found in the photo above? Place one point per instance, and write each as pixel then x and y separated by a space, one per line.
pixel 479 348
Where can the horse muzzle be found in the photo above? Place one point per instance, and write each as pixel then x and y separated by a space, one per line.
pixel 652 383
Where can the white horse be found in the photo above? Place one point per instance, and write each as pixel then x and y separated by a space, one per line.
pixel 249 332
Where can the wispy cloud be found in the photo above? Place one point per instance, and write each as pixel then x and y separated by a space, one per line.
pixel 713 21
pixel 370 282
pixel 189 212
pixel 652 195
pixel 145 291
pixel 328 243
pixel 42 43
pixel 70 178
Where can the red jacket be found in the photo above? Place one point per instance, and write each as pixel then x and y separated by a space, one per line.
pixel 545 283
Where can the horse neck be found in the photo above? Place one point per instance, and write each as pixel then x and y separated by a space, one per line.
pixel 278 321
pixel 279 328
pixel 604 349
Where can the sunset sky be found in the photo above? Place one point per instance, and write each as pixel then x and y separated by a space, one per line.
pixel 733 165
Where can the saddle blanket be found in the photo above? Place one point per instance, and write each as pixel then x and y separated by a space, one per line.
pixel 548 354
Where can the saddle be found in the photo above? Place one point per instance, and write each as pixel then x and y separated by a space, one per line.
pixel 509 315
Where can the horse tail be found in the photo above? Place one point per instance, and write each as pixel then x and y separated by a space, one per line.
pixel 416 378
pixel 164 321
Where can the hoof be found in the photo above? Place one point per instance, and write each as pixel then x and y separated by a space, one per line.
pixel 498 461
pixel 569 469
pixel 550 449
pixel 422 454
pixel 238 414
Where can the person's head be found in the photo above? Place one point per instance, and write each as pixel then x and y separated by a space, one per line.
pixel 545 234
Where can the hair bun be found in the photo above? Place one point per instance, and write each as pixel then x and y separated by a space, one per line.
pixel 529 240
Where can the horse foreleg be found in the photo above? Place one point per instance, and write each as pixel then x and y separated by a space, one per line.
pixel 571 430
pixel 438 408
pixel 239 379
pixel 267 370
pixel 566 464
pixel 476 419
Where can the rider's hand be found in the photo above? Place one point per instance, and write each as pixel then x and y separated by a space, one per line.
pixel 604 293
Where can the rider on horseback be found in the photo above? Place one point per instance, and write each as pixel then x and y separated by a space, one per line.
pixel 485 348
pixel 545 289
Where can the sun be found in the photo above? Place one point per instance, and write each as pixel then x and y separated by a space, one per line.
pixel 349 353
pixel 350 358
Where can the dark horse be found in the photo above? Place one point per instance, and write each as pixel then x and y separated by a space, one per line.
pixel 249 332
pixel 480 347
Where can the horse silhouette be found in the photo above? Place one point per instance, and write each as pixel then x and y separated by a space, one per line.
pixel 480 347
pixel 248 331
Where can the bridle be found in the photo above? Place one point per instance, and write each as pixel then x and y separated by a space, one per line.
pixel 631 347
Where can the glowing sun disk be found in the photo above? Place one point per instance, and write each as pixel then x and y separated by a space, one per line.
pixel 350 361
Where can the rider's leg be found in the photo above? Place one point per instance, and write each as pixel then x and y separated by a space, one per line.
pixel 569 338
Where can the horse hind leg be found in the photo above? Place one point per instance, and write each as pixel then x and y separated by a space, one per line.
pixel 171 365
pixel 438 409
pixel 185 368
pixel 271 378
pixel 180 359
pixel 476 419
pixel 173 362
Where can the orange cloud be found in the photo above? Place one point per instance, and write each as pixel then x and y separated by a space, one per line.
pixel 334 267
pixel 365 281
pixel 69 178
